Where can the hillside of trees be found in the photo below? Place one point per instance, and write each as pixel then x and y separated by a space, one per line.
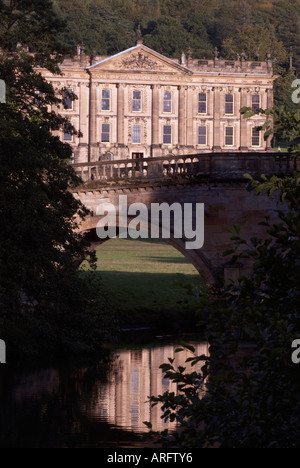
pixel 195 26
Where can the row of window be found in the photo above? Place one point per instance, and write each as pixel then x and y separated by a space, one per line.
pixel 202 137
pixel 167 102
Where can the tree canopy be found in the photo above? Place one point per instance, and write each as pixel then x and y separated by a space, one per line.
pixel 246 395
pixel 45 306
pixel 173 27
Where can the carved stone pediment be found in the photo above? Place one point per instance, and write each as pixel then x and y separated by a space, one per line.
pixel 140 58
pixel 139 61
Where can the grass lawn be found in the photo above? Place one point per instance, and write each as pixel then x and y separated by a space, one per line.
pixel 148 281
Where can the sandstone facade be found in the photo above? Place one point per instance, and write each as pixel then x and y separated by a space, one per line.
pixel 139 103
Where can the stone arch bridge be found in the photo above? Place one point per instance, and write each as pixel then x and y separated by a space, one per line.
pixel 217 180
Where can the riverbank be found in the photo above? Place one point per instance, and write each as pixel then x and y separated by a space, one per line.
pixel 140 285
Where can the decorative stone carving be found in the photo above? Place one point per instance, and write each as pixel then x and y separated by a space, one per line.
pixel 139 61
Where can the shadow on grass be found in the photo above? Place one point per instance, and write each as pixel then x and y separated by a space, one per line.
pixel 175 260
pixel 159 300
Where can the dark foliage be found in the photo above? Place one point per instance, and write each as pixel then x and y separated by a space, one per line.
pixel 247 393
pixel 46 307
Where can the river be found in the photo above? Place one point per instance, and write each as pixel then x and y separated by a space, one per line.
pixel 103 404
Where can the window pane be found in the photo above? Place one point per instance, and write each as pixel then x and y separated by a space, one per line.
pixel 202 99
pixel 67 132
pixel 105 133
pixel 167 106
pixel 136 105
pixel 229 104
pixel 136 102
pixel 228 108
pixel 167 101
pixel 202 132
pixel 106 94
pixel 229 136
pixel 136 134
pixel 105 103
pixel 255 138
pixel 255 103
pixel 105 128
pixel 167 137
pixel 67 101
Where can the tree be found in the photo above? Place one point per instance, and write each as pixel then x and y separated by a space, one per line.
pixel 283 122
pixel 45 306
pixel 283 89
pixel 288 27
pixel 255 41
pixel 167 36
pixel 197 27
pixel 96 25
pixel 247 396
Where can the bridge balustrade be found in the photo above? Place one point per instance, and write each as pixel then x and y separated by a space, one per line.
pixel 228 165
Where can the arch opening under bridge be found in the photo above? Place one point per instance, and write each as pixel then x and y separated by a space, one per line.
pixel 197 258
pixel 215 180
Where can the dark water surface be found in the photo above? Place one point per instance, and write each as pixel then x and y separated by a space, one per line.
pixel 100 405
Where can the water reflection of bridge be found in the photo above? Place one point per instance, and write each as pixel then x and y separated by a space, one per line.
pixel 118 398
pixel 135 375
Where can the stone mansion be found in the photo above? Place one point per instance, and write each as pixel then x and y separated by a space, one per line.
pixel 139 103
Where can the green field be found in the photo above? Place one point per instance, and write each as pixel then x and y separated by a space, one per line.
pixel 148 281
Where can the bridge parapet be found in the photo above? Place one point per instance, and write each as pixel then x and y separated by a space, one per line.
pixel 211 165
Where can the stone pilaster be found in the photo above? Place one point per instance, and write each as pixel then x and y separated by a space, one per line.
pixel 270 105
pixel 217 118
pixel 155 115
pixel 81 155
pixel 83 111
pixel 93 153
pixel 120 114
pixel 189 117
pixel 244 138
pixel 182 115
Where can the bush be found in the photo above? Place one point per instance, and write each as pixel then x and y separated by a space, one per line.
pixel 248 396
